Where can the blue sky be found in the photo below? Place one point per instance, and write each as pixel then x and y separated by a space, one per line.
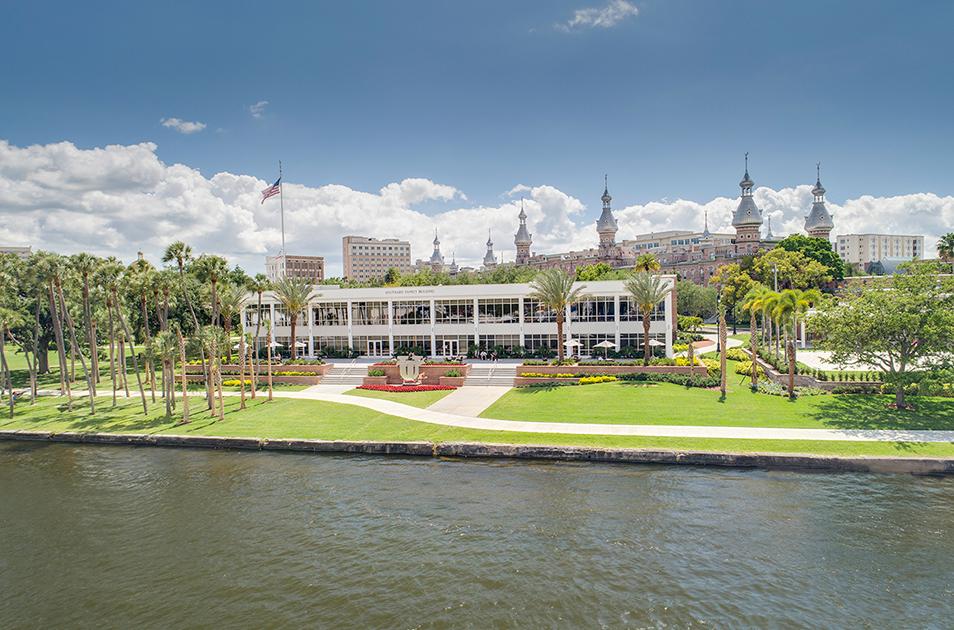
pixel 665 97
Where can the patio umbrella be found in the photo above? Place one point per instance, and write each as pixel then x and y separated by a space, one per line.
pixel 300 344
pixel 606 344
pixel 654 342
pixel 571 342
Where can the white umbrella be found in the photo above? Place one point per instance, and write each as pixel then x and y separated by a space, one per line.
pixel 653 342
pixel 275 344
pixel 571 342
pixel 300 344
pixel 605 344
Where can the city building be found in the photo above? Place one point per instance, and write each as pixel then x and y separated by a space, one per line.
pixel 865 248
pixel 291 265
pixel 436 262
pixel 447 320
pixel 21 252
pixel 368 258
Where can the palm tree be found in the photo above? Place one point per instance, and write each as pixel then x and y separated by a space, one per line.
pixel 231 300
pixel 294 294
pixel 646 262
pixel 791 304
pixel 769 304
pixel 163 282
pixel 648 290
pixel 113 274
pixel 181 253
pixel 945 247
pixel 141 276
pixel 258 285
pixel 268 345
pixel 185 389
pixel 8 318
pixel 85 264
pixel 166 346
pixel 554 289
pixel 48 267
pixel 723 339
pixel 752 302
pixel 210 268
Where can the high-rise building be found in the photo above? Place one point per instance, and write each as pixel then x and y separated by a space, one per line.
pixel 865 248
pixel 21 252
pixel 312 267
pixel 367 258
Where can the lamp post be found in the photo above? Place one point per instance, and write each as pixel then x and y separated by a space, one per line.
pixel 775 269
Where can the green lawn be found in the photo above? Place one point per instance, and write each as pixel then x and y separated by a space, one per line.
pixel 308 419
pixel 664 403
pixel 414 399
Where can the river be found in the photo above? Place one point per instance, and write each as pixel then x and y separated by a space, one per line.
pixel 119 537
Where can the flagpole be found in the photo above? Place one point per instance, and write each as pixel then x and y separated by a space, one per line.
pixel 281 200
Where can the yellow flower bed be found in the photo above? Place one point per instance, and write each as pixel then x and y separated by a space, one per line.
pixel 596 379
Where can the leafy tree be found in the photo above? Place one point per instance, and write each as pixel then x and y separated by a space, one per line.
pixel 945 247
pixel 818 249
pixel 795 270
pixel 555 289
pixel 894 323
pixel 392 277
pixel 733 282
pixel 591 273
pixel 695 300
pixel 790 306
pixel 648 290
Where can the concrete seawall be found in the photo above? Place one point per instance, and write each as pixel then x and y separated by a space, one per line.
pixel 765 461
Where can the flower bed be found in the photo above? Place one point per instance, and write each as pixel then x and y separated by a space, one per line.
pixel 589 370
pixel 400 388
pixel 431 373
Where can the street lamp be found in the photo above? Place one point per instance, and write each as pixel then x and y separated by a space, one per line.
pixel 775 269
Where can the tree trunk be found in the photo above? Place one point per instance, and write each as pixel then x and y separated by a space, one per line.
pixel 294 347
pixel 60 350
pixel 242 369
pixel 723 338
pixel 69 323
pixel 790 351
pixel 559 323
pixel 112 346
pixel 149 364
pixel 268 342
pixel 692 363
pixel 753 342
pixel 5 373
pixel 185 389
pixel 132 349
pixel 645 338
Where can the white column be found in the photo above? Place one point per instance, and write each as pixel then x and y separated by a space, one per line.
pixel 311 329
pixel 522 337
pixel 616 319
pixel 350 329
pixel 391 325
pixel 433 337
pixel 476 319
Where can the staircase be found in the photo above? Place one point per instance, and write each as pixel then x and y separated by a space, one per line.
pixel 346 374
pixel 491 374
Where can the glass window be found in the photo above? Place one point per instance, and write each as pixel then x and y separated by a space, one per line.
pixel 331 314
pixel 369 313
pixel 453 311
pixel 534 311
pixel 598 309
pixel 498 310
pixel 412 313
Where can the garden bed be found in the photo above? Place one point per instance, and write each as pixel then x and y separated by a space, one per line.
pixel 699 370
pixel 431 373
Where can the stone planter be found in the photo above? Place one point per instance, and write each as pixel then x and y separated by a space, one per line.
pixel 431 374
pixel 699 370
pixel 375 380
pixel 453 381
pixel 533 380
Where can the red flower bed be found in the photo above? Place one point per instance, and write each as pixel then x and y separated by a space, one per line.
pixel 401 388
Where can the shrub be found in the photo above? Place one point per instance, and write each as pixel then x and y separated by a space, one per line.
pixel 535 362
pixel 745 367
pixel 680 347
pixel 912 389
pixel 712 366
pixel 889 388
pixel 736 354
pixel 856 389
pixel 235 382
pixel 375 372
pixel 402 388
pixel 676 379
pixel 596 379
pixel 452 373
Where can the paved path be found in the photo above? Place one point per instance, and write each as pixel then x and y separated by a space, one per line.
pixel 469 401
pixel 462 419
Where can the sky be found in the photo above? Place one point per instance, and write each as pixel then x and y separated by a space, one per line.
pixel 125 126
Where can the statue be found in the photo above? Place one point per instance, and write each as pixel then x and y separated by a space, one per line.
pixel 410 369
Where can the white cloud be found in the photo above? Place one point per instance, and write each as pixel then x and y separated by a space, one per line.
pixel 257 109
pixel 606 17
pixel 182 126
pixel 120 199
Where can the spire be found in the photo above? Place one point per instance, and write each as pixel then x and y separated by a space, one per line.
pixel 606 196
pixel 818 223
pixel 436 258
pixel 768 235
pixel 705 233
pixel 606 224
pixel 747 215
pixel 522 237
pixel 490 261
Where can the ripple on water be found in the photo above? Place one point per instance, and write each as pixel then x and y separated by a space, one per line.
pixel 158 538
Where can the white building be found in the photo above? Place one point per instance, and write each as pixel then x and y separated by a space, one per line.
pixel 21 252
pixel 865 248
pixel 446 320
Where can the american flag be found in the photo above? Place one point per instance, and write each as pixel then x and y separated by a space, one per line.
pixel 272 190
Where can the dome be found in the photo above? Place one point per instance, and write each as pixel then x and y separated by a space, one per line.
pixel 746 181
pixel 747 214
pixel 818 219
pixel 606 222
pixel 818 189
pixel 606 196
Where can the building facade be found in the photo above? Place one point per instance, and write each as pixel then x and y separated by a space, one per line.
pixel 866 248
pixel 20 252
pixel 368 258
pixel 312 267
pixel 447 320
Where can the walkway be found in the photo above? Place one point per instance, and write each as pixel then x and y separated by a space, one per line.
pixel 462 418
pixel 461 408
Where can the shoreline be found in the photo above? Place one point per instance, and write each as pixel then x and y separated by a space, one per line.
pixel 541 452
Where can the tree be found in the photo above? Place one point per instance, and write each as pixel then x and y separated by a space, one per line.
pixel 165 345
pixel 733 282
pixel 795 270
pixel 392 277
pixel 181 254
pixel 8 319
pixel 554 288
pixel 695 300
pixel 792 304
pixel 231 300
pixel 945 247
pixel 894 323
pixel 753 303
pixel 591 273
pixel 648 290
pixel 295 294
pixel 646 262
pixel 818 249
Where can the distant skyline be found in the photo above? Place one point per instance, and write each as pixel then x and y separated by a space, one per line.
pixel 123 127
